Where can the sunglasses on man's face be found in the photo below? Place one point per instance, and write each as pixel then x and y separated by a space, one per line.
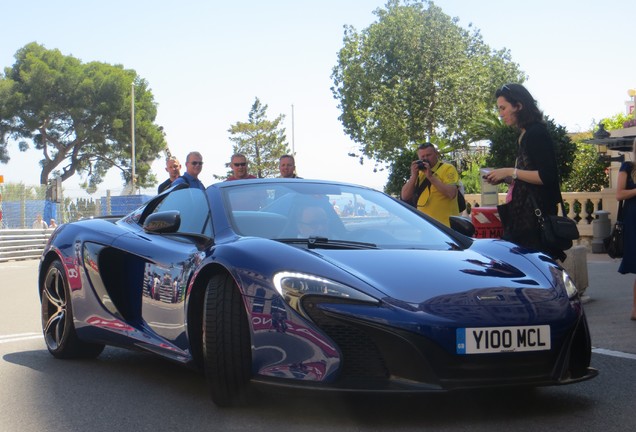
pixel 238 164
pixel 195 163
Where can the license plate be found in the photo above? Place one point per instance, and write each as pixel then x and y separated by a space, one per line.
pixel 486 340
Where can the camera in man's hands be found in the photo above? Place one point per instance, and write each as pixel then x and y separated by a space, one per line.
pixel 421 166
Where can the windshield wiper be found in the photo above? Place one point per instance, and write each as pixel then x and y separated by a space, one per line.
pixel 326 243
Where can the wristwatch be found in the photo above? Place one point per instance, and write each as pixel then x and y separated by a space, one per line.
pixel 514 174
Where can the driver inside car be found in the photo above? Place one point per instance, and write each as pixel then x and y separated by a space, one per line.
pixel 313 222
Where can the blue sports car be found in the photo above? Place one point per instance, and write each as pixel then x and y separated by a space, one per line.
pixel 315 285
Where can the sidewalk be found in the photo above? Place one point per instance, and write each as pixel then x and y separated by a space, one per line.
pixel 610 304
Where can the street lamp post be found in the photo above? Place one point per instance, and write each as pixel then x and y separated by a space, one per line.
pixel 600 135
pixel 132 135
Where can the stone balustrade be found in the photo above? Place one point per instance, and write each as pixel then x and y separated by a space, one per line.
pixel 581 207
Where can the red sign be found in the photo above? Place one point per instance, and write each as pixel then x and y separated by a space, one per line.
pixel 486 221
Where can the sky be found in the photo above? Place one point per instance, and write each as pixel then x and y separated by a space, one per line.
pixel 207 61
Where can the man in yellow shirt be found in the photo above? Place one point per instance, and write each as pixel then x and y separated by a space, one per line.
pixel 433 185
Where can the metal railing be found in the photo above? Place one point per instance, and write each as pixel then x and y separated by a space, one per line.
pixel 18 244
pixel 22 244
pixel 20 212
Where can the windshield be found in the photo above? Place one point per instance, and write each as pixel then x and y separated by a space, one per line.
pixel 302 210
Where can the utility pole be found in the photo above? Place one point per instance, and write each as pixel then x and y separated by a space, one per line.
pixel 293 144
pixel 132 134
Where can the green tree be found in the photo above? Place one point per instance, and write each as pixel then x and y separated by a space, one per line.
pixel 78 115
pixel 614 122
pixel 262 141
pixel 471 176
pixel 399 172
pixel 5 91
pixel 589 172
pixel 19 192
pixel 415 75
pixel 501 138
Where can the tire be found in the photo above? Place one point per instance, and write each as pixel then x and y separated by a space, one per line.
pixel 57 318
pixel 226 343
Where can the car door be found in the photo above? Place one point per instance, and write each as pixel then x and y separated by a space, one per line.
pixel 169 261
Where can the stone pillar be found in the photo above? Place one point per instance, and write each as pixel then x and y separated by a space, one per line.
pixel 576 266
pixel 601 229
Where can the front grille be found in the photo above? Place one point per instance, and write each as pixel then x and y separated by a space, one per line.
pixel 361 357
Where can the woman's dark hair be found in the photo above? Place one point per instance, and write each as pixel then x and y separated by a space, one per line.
pixel 517 94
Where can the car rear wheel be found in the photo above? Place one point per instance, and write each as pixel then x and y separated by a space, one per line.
pixel 226 342
pixel 57 318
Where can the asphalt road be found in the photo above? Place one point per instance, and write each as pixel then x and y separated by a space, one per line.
pixel 124 390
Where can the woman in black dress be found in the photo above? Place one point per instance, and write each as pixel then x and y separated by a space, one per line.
pixel 626 190
pixel 535 174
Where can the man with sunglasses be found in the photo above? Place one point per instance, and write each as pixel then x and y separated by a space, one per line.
pixel 249 199
pixel 194 165
pixel 238 164
pixel 433 185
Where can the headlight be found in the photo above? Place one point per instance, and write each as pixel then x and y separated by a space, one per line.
pixel 292 286
pixel 569 286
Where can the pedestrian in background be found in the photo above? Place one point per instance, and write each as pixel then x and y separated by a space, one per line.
pixel 626 191
pixel 173 167
pixel 287 166
pixel 534 177
pixel 38 223
pixel 194 165
pixel 248 198
pixel 52 224
pixel 240 168
pixel 433 185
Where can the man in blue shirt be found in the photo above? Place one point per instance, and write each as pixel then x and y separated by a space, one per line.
pixel 194 165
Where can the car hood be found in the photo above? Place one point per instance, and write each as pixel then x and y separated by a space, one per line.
pixel 418 276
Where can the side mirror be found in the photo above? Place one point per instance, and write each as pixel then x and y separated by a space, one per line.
pixel 163 222
pixel 462 225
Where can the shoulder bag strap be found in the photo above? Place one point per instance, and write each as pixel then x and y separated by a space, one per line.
pixel 619 215
pixel 562 205
pixel 419 188
pixel 537 210
pixel 560 196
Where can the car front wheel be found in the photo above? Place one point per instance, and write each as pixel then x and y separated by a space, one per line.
pixel 226 342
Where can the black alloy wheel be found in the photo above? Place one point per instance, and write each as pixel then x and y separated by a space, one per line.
pixel 57 318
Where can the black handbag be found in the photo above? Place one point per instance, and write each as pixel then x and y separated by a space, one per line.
pixel 557 232
pixel 614 243
pixel 461 201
